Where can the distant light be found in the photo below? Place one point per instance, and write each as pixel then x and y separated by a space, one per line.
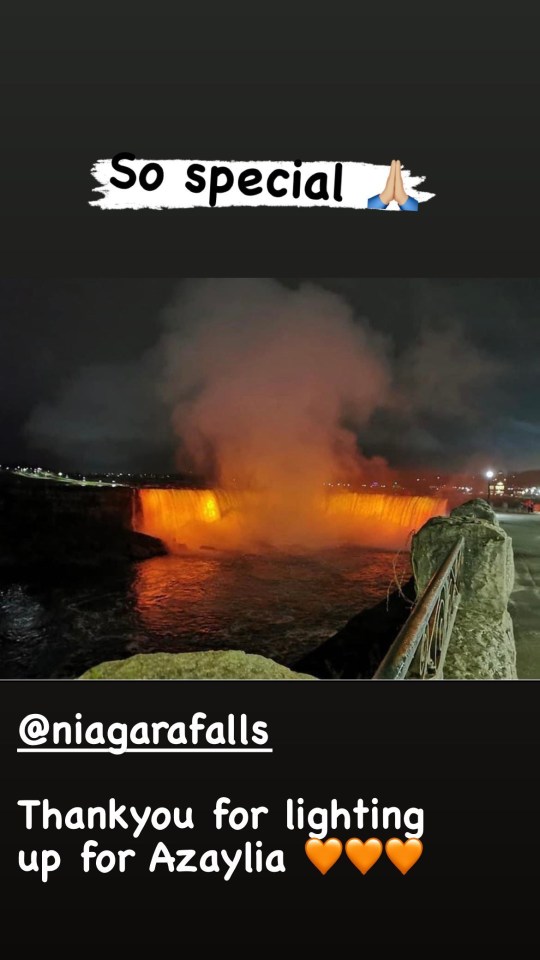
pixel 489 474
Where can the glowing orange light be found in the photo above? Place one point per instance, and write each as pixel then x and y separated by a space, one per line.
pixel 226 518
pixel 211 509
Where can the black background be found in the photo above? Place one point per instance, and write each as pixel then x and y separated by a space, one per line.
pixel 465 752
pixel 454 93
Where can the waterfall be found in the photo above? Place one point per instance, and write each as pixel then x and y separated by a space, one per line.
pixel 230 518
pixel 408 513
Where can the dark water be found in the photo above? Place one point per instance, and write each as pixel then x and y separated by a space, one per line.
pixel 275 604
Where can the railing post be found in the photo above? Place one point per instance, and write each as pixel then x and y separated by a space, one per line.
pixel 423 640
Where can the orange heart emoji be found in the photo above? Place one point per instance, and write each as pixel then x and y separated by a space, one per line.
pixel 363 855
pixel 324 855
pixel 404 855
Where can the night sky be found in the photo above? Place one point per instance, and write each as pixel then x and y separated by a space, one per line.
pixel 464 357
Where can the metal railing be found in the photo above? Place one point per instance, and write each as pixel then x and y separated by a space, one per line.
pixel 419 650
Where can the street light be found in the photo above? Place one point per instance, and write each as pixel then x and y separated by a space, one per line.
pixel 489 476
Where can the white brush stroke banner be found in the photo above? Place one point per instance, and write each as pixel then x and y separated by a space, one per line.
pixel 359 182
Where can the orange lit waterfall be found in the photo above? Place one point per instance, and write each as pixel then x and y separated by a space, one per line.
pixel 220 518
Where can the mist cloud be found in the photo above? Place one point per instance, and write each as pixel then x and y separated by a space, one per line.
pixel 259 379
pixel 252 382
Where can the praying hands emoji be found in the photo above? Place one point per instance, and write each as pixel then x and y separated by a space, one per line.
pixel 393 190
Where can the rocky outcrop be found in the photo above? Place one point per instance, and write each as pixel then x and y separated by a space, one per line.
pixel 31 498
pixel 44 524
pixel 482 645
pixel 355 652
pixel 206 665
pixel 74 544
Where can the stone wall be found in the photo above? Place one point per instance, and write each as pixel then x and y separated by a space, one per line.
pixel 482 644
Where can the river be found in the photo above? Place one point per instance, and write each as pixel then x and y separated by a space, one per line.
pixel 275 603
